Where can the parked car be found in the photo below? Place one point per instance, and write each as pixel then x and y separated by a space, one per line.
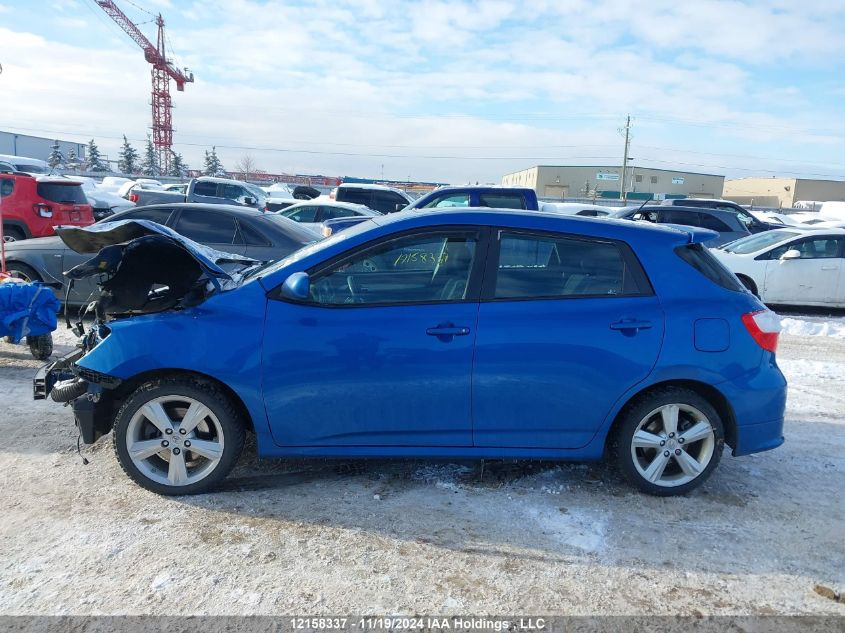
pixel 791 266
pixel 206 190
pixel 378 197
pixel 752 223
pixel 232 229
pixel 32 166
pixel 104 202
pixel 34 205
pixel 478 196
pixel 574 208
pixel 725 223
pixel 460 334
pixel 312 214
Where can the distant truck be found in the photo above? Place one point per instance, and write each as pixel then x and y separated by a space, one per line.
pixel 205 189
pixel 478 196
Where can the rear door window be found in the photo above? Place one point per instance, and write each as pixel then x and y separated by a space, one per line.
pixel 501 200
pixel 205 188
pixel 355 195
pixel 713 223
pixel 544 266
pixel 686 218
pixel 207 227
pixel 386 201
pixel 329 213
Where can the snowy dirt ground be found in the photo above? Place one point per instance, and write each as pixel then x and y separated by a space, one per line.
pixel 763 536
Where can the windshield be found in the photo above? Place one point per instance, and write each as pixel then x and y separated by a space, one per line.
pixel 754 243
pixel 59 192
pixel 255 190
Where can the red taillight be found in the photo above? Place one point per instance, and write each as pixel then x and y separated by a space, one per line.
pixel 764 327
pixel 43 210
pixel 134 197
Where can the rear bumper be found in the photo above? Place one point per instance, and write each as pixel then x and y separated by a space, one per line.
pixel 755 438
pixel 758 401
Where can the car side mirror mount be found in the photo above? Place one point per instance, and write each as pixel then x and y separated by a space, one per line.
pixel 790 254
pixel 399 206
pixel 248 200
pixel 297 287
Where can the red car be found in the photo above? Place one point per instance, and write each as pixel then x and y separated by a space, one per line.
pixel 32 206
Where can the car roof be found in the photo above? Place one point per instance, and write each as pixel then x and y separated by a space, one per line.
pixel 229 208
pixel 553 221
pixel 365 185
pixel 445 188
pixel 327 202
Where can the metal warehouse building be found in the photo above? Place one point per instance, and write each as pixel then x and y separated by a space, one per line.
pixel 36 146
pixel 641 183
pixel 783 192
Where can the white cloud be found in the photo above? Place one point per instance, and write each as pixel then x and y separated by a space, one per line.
pixel 516 78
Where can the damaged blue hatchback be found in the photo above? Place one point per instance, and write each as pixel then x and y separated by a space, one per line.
pixel 474 333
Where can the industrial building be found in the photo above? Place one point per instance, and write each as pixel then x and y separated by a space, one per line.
pixel 602 181
pixel 36 146
pixel 783 192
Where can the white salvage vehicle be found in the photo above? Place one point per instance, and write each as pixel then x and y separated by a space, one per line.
pixel 791 266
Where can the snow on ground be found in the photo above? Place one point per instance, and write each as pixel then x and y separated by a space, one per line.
pixel 408 536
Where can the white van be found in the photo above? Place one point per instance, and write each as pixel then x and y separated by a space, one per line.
pixel 28 165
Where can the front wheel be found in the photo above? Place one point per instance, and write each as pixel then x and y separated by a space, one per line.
pixel 669 441
pixel 40 346
pixel 178 435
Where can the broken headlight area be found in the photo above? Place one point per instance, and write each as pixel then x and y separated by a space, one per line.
pixel 142 267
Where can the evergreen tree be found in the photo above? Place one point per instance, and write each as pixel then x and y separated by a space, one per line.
pixel 56 158
pixel 95 159
pixel 73 161
pixel 149 167
pixel 213 166
pixel 178 167
pixel 127 163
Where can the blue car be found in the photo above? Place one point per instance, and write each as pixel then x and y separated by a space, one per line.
pixel 472 333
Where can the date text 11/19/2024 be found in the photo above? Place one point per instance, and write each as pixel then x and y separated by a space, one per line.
pixel 382 623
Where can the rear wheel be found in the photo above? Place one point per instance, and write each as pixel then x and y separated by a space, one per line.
pixel 13 234
pixel 749 284
pixel 178 436
pixel 669 441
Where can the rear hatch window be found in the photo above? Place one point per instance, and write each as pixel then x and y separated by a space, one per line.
pixel 704 262
pixel 62 193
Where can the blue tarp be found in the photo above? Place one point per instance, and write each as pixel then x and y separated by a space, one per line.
pixel 27 310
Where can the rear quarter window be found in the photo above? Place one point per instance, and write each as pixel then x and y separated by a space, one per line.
pixel 704 262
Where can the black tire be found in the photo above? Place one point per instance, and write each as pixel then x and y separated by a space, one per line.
pixel 749 284
pixel 203 391
pixel 22 271
pixel 13 234
pixel 636 411
pixel 41 346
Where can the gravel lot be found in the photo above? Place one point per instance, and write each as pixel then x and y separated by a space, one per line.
pixel 764 535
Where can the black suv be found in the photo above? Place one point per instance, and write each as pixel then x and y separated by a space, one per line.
pixel 378 197
pixel 753 224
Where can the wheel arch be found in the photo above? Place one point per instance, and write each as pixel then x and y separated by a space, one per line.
pixel 129 385
pixel 17 224
pixel 710 393
pixel 749 283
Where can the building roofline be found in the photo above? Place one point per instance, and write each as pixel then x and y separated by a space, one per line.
pixel 670 171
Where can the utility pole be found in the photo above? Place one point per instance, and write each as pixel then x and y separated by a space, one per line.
pixel 622 194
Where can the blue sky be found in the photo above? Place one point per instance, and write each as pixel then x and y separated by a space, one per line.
pixel 447 91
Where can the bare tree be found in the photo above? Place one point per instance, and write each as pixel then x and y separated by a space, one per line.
pixel 247 166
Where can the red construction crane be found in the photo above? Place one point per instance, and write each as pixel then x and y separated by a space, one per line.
pixel 163 70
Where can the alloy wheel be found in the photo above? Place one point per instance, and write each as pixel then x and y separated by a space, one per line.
pixel 673 445
pixel 175 440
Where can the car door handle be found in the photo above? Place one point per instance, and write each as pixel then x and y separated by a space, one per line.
pixel 447 330
pixel 630 324
pixel 829 267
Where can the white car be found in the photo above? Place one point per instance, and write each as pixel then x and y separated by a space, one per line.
pixel 792 266
pixel 312 213
pixel 574 208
